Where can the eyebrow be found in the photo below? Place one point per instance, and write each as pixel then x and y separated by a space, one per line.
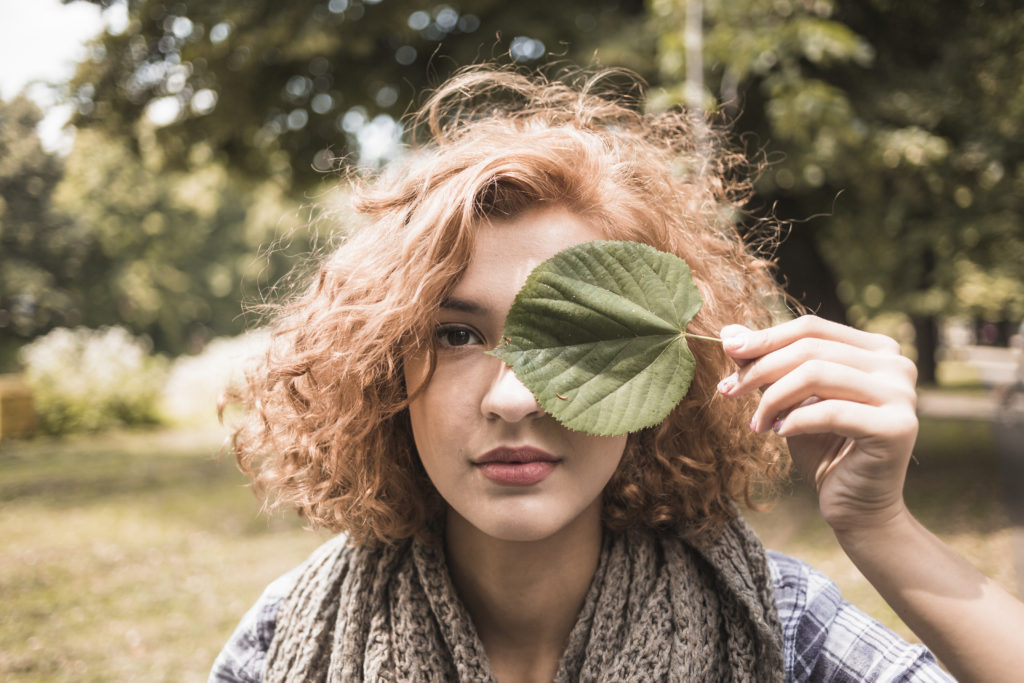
pixel 463 305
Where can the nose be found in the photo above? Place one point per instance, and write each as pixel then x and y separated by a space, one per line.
pixel 508 399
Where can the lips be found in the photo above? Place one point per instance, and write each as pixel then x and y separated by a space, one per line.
pixel 524 466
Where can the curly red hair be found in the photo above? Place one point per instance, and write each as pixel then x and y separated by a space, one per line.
pixel 327 430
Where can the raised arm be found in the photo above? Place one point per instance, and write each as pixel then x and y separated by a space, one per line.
pixel 845 401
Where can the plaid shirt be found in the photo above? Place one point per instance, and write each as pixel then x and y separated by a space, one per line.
pixel 824 637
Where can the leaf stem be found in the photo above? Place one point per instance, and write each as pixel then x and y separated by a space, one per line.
pixel 700 336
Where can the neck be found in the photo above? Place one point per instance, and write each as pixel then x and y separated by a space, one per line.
pixel 524 596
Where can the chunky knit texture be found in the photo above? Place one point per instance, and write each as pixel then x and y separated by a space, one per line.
pixel 659 608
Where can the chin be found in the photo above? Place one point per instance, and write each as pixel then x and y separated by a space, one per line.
pixel 521 531
pixel 521 521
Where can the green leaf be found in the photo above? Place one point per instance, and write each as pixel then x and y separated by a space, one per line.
pixel 598 334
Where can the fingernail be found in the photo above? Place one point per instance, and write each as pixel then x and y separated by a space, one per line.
pixel 733 343
pixel 727 384
pixel 753 424
pixel 777 425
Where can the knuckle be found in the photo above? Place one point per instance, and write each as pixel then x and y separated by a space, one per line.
pixel 900 396
pixel 749 374
pixel 909 397
pixel 830 412
pixel 910 421
pixel 909 369
pixel 886 344
pixel 807 323
pixel 911 425
pixel 898 423
pixel 808 347
pixel 814 368
pixel 770 396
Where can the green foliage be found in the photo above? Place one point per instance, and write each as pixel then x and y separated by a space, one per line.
pixel 108 236
pixel 179 250
pixel 901 122
pixel 772 64
pixel 943 178
pixel 597 333
pixel 42 253
pixel 186 216
pixel 90 380
pixel 285 87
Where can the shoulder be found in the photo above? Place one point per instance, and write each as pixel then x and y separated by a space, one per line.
pixel 243 656
pixel 827 638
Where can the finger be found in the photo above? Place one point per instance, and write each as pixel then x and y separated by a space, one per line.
pixel 826 381
pixel 771 367
pixel 857 424
pixel 850 419
pixel 742 343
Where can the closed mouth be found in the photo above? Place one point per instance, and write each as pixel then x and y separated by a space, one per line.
pixel 515 456
pixel 516 468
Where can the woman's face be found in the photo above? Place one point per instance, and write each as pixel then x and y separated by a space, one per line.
pixel 502 463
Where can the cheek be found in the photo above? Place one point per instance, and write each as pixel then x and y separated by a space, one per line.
pixel 437 414
pixel 416 370
pixel 595 462
pixel 446 401
pixel 428 426
pixel 609 450
pixel 424 388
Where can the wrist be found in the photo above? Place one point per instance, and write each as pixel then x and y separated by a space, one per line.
pixel 880 528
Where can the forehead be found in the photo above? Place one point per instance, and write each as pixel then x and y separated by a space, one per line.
pixel 506 250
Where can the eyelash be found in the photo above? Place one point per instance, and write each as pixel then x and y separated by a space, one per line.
pixel 443 332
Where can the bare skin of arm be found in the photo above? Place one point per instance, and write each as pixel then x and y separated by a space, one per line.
pixel 845 401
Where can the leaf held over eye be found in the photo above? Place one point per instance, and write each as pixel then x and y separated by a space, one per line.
pixel 598 334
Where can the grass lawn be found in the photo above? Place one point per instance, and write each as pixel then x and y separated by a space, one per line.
pixel 131 557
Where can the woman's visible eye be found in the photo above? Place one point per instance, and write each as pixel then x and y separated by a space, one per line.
pixel 452 336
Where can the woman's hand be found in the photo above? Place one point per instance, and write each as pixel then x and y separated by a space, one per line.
pixel 845 402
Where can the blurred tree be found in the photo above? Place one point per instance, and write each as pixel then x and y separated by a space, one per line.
pixel 276 87
pixel 199 119
pixel 177 247
pixel 917 144
pixel 944 190
pixel 42 252
pixel 913 146
pixel 772 72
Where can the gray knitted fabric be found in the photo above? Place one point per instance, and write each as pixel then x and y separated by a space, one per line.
pixel 658 609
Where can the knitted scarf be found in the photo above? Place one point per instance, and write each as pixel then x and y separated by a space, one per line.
pixel 659 608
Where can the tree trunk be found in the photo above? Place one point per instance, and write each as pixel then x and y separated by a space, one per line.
pixel 926 338
pixel 806 276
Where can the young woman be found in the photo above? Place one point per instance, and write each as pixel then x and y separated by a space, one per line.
pixel 478 538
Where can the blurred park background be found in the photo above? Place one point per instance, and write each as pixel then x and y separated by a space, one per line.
pixel 153 192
